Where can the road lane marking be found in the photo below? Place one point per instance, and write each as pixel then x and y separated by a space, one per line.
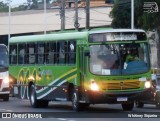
pixel 6 110
pixel 62 119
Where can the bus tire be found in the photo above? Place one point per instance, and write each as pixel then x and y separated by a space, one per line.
pixel 128 106
pixel 75 101
pixel 6 97
pixel 139 104
pixel 86 105
pixel 33 98
pixel 43 103
pixel 157 100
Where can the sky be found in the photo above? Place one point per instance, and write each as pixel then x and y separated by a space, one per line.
pixel 15 2
pixel 18 2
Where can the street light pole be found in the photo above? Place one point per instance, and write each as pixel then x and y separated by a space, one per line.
pixel 87 14
pixel 132 14
pixel 62 13
pixel 45 22
pixel 9 19
pixel 76 24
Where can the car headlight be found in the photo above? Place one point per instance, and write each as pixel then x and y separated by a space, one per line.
pixel 6 80
pixel 147 84
pixel 94 86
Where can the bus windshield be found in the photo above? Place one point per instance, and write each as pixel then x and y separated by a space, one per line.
pixel 3 57
pixel 119 59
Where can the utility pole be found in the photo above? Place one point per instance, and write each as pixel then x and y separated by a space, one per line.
pixel 9 20
pixel 45 19
pixel 76 24
pixel 62 14
pixel 87 14
pixel 132 14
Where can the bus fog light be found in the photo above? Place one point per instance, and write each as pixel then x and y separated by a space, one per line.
pixel 94 86
pixel 147 84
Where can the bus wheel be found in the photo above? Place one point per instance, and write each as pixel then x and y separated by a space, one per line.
pixel 75 101
pixel 6 97
pixel 34 102
pixel 43 103
pixel 158 105
pixel 86 104
pixel 139 104
pixel 158 100
pixel 128 106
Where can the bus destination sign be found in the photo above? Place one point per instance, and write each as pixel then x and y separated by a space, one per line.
pixel 114 37
pixel 118 36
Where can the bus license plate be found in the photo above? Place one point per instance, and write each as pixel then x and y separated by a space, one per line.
pixel 122 99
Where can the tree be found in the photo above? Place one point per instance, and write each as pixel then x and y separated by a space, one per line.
pixel 33 4
pixel 3 7
pixel 121 11
pixel 121 14
pixel 20 8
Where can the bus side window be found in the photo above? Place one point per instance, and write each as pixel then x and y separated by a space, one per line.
pixel 27 55
pixel 72 52
pixel 51 52
pixel 31 53
pixel 13 54
pixel 21 53
pixel 56 58
pixel 40 53
pixel 47 53
pixel 61 50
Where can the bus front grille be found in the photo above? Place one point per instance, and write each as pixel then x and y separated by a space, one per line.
pixel 121 85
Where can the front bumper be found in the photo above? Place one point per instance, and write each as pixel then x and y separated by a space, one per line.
pixel 96 97
pixel 5 90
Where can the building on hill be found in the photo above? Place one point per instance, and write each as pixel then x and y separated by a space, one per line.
pixel 93 3
pixel 36 22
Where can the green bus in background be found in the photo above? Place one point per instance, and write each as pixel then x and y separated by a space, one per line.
pixel 87 67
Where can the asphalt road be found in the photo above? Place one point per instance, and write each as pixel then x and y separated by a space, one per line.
pixel 62 111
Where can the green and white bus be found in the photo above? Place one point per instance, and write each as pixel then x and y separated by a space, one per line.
pixel 87 67
pixel 4 74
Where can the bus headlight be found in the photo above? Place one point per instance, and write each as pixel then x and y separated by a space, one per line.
pixel 94 86
pixel 6 80
pixel 147 84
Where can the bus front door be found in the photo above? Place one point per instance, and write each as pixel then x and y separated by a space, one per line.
pixel 82 68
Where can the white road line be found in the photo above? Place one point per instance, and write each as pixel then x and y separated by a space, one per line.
pixel 6 110
pixel 62 119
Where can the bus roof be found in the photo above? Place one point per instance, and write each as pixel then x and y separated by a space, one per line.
pixel 49 37
pixel 66 35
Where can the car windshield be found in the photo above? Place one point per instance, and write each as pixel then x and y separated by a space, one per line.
pixel 3 57
pixel 119 59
